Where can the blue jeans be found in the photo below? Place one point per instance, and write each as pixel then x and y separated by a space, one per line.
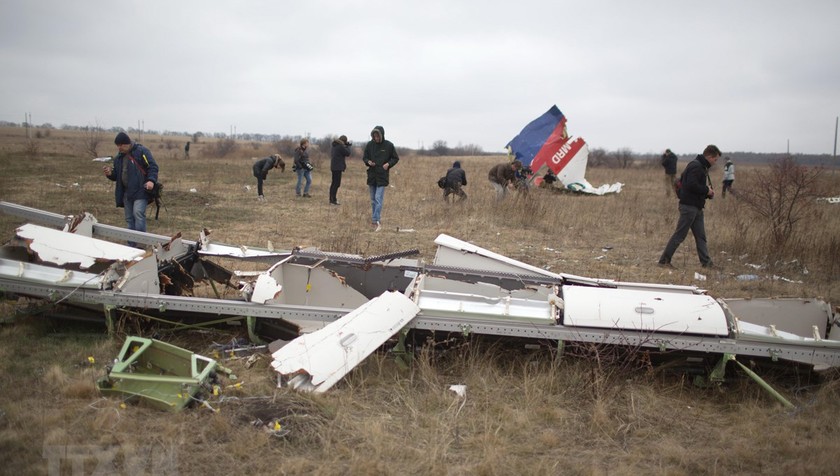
pixel 135 216
pixel 691 218
pixel 377 196
pixel 301 173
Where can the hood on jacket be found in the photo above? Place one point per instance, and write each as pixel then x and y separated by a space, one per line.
pixel 379 129
pixel 456 165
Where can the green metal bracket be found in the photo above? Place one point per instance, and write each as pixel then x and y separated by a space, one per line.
pixel 766 386
pixel 402 357
pixel 161 375
pixel 717 377
pixel 109 318
pixel 251 323
pixel 215 291
pixel 561 349
pixel 719 372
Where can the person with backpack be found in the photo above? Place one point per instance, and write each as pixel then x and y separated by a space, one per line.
pixel 669 163
pixel 135 173
pixel 694 189
pixel 455 178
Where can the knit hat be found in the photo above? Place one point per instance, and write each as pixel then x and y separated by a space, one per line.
pixel 342 139
pixel 122 138
pixel 456 164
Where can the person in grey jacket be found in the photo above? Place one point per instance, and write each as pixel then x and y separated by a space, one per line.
pixel 261 168
pixel 339 152
pixel 728 176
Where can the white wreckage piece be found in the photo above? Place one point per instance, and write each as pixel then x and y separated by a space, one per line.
pixel 467 289
pixel 100 264
pixel 315 362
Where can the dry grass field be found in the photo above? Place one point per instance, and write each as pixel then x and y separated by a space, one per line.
pixel 525 411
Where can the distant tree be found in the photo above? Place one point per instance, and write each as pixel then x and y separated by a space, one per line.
pixel 781 196
pixel 598 157
pixel 439 147
pixel 469 149
pixel 324 144
pixel 91 139
pixel 623 158
pixel 197 136
pixel 223 147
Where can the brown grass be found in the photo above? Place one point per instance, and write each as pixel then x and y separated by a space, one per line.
pixel 526 411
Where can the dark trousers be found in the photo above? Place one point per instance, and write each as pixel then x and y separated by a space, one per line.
pixel 727 185
pixel 259 185
pixel 336 182
pixel 691 218
pixel 454 189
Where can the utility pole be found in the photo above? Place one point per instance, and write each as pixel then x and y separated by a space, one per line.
pixel 836 120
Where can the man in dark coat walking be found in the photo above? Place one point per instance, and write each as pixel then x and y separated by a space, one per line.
pixel 695 189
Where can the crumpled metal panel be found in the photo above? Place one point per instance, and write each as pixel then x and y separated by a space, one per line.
pixel 315 362
pixel 62 248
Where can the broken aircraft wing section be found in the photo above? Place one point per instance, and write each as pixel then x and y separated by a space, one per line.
pixel 315 362
pixel 545 144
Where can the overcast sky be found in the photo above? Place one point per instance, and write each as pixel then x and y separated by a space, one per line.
pixel 645 75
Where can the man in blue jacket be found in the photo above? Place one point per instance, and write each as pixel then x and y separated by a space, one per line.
pixel 135 173
pixel 695 189
pixel 380 156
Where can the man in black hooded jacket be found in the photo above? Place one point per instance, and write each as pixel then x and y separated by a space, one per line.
pixel 696 188
pixel 380 157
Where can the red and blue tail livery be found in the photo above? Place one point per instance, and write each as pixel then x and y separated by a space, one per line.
pixel 545 144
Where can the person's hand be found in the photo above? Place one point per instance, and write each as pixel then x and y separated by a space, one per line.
pixel 385 166
pixel 150 185
pixel 711 193
pixel 106 170
pixel 370 162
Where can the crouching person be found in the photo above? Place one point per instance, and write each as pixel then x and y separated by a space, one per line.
pixel 456 178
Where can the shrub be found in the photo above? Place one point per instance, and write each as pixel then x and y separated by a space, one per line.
pixel 781 196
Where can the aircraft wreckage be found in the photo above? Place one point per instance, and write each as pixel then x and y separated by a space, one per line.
pixel 335 309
